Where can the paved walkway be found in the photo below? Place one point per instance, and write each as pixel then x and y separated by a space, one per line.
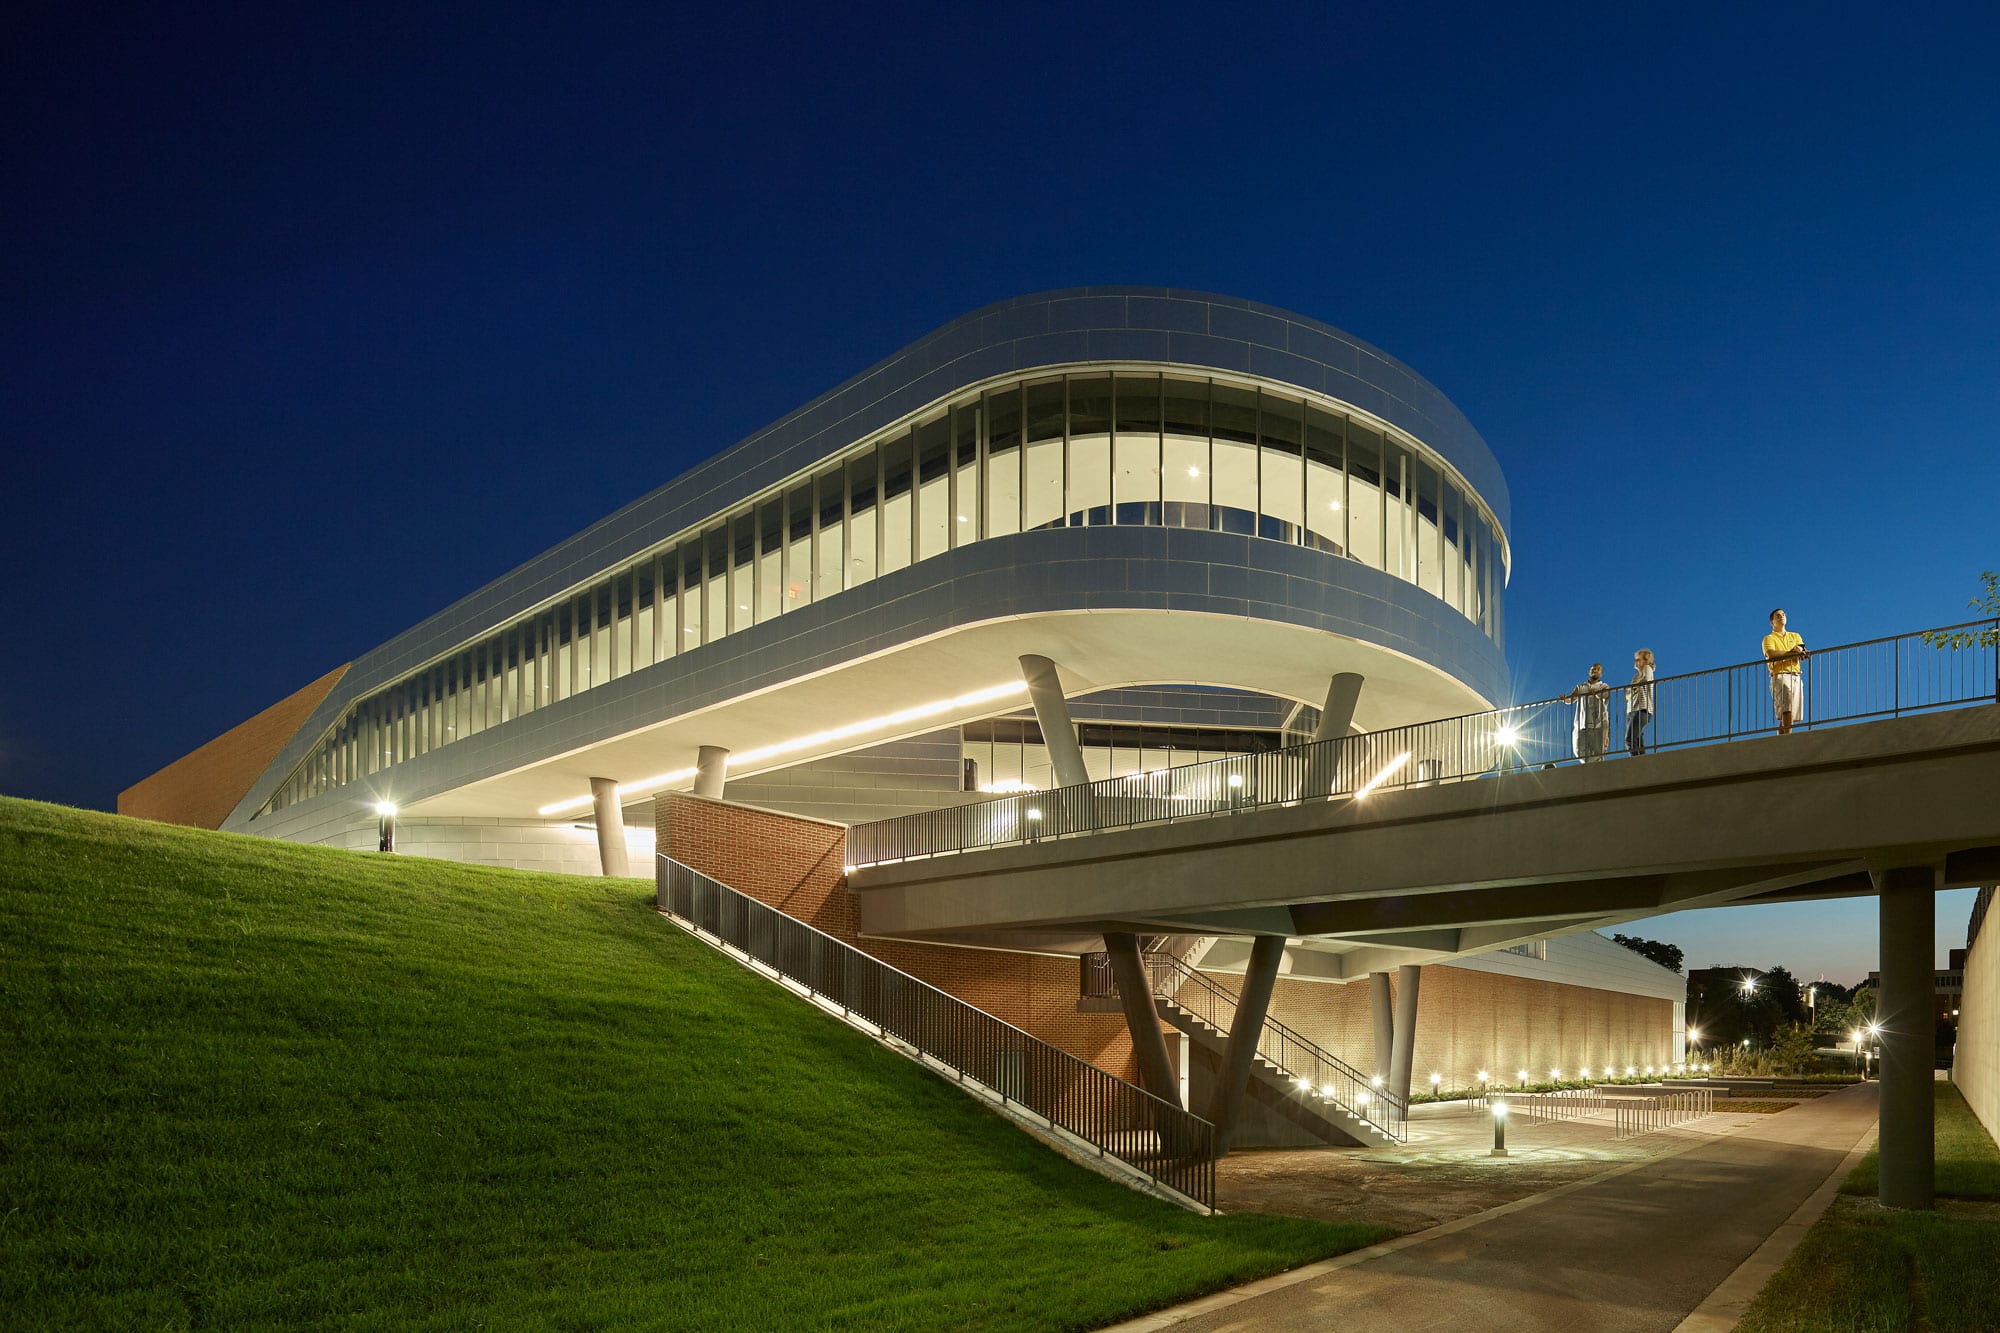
pixel 1634 1248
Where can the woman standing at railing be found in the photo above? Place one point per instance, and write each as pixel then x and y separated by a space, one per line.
pixel 1639 701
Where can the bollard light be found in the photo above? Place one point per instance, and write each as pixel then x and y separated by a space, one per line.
pixel 1499 1129
pixel 1435 1080
pixel 1482 1078
pixel 385 826
pixel 1521 1077
pixel 1235 779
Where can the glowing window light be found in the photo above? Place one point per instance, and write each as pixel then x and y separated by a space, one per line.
pixel 1384 775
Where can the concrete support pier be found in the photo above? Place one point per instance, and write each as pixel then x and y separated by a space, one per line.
pixel 1381 1009
pixel 610 828
pixel 1406 1031
pixel 1045 692
pixel 1253 1003
pixel 1142 1016
pixel 1904 1008
pixel 1336 720
pixel 711 771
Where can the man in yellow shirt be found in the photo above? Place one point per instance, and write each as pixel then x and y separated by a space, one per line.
pixel 1783 652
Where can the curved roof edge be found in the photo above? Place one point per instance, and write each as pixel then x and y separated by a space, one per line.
pixel 1199 329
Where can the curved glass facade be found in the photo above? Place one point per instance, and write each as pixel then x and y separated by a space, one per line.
pixel 1046 450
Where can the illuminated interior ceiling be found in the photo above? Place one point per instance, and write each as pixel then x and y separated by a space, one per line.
pixel 1095 650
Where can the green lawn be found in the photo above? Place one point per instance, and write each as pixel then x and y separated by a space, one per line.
pixel 250 1083
pixel 1861 1268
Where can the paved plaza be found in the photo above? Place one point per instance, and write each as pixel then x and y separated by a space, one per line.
pixel 1575 1229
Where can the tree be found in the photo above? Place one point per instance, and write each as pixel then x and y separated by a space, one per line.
pixel 1987 604
pixel 1792 1048
pixel 1666 955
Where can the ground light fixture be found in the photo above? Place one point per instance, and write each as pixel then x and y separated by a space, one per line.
pixel 1555 1075
pixel 1435 1080
pixel 1521 1076
pixel 1482 1078
pixel 385 826
pixel 1508 733
pixel 1499 1130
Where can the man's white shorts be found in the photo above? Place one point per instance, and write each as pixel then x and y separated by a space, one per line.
pixel 1787 693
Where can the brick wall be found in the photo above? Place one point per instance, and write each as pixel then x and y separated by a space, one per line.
pixel 795 865
pixel 1468 1021
pixel 202 787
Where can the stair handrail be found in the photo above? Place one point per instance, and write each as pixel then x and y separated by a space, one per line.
pixel 1313 1069
pixel 1171 1145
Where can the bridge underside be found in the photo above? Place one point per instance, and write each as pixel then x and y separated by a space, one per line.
pixel 1426 874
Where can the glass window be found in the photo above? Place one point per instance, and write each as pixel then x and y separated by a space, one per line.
pixel 1326 485
pixel 934 513
pixel 1235 459
pixel 1135 464
pixel 1398 550
pixel 829 574
pixel 1003 462
pixel 1281 456
pixel 1184 462
pixel 861 492
pixel 690 590
pixel 770 560
pixel 623 612
pixel 896 503
pixel 1364 495
pixel 798 549
pixel 1042 468
pixel 715 583
pixel 742 571
pixel 1454 563
pixel 1430 566
pixel 645 598
pixel 1089 495
pixel 965 479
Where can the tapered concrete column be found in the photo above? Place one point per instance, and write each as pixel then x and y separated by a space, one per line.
pixel 1406 1031
pixel 1142 1016
pixel 1253 1003
pixel 711 770
pixel 1379 1008
pixel 1904 1008
pixel 610 828
pixel 1045 692
pixel 1342 693
pixel 1335 721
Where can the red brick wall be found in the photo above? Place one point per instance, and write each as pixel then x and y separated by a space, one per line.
pixel 795 865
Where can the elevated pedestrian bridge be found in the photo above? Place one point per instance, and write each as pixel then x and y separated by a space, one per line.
pixel 1454 837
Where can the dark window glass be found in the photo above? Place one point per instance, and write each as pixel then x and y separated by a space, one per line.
pixel 1235 414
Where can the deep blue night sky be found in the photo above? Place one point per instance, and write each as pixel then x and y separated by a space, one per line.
pixel 311 323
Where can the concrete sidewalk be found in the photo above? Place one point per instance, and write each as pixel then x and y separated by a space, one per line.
pixel 1636 1248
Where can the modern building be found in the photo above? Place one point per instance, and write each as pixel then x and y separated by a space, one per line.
pixel 1074 535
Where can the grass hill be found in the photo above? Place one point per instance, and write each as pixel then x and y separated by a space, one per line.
pixel 249 1083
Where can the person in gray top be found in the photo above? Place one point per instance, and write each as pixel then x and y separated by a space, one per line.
pixel 1593 715
pixel 1639 701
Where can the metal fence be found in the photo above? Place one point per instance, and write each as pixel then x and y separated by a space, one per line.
pixel 1879 678
pixel 1118 1119
pixel 1314 1073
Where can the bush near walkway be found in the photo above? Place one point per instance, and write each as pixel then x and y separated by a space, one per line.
pixel 252 1084
pixel 1865 1268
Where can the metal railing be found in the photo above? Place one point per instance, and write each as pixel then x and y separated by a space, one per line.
pixel 1313 1072
pixel 1879 678
pixel 1643 1115
pixel 1118 1119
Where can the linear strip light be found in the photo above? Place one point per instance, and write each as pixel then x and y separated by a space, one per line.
pixel 1384 775
pixel 816 739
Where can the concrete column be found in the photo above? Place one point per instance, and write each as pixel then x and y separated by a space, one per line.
pixel 1904 1008
pixel 1335 720
pixel 610 828
pixel 1253 1003
pixel 1045 692
pixel 1379 1002
pixel 711 770
pixel 1342 693
pixel 1142 1016
pixel 1406 1031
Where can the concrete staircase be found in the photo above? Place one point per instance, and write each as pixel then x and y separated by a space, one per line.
pixel 1277 1089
